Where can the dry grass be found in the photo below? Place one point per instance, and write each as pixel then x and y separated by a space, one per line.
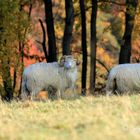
pixel 89 118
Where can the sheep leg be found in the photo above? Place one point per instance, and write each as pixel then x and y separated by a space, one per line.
pixel 34 94
pixel 52 92
pixel 24 96
pixel 110 87
pixel 54 95
pixel 58 94
pixel 24 92
pixel 73 90
pixel 109 93
pixel 109 90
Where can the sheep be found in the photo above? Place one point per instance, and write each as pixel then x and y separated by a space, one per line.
pixel 53 77
pixel 124 78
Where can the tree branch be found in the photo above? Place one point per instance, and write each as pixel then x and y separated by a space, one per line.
pixel 112 2
pixel 100 62
pixel 44 39
pixel 101 1
pixel 30 10
pixel 36 57
pixel 38 42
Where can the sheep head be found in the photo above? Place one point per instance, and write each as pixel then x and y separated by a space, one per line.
pixel 68 62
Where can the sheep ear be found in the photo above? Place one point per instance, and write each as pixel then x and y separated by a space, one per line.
pixel 61 61
pixel 61 64
pixel 78 62
pixel 63 57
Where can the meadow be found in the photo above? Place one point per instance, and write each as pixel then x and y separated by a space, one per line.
pixel 85 118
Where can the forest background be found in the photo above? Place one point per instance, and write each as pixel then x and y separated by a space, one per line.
pixel 99 33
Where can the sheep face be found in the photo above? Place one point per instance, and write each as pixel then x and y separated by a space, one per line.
pixel 68 62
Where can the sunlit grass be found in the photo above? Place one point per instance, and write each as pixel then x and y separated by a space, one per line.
pixel 86 118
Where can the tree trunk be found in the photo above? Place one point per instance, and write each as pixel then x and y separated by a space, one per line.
pixel 68 27
pixel 84 46
pixel 44 39
pixel 125 52
pixel 21 50
pixel 93 46
pixel 7 82
pixel 21 44
pixel 50 30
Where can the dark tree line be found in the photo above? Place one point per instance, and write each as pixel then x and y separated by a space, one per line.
pixel 125 52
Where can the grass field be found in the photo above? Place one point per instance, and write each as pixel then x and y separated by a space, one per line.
pixel 86 118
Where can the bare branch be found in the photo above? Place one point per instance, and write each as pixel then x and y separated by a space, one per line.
pixel 30 10
pixel 44 39
pixel 100 62
pixel 33 56
pixel 38 42
pixel 86 9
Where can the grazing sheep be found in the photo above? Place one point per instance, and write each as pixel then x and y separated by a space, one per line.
pixel 53 77
pixel 124 78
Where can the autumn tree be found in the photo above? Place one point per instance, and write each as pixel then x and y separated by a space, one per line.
pixel 125 52
pixel 12 25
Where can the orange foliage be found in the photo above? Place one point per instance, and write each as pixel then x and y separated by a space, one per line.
pixel 136 51
pixel 42 95
pixel 32 51
pixel 105 57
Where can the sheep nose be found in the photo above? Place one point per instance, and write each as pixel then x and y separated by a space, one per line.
pixel 67 65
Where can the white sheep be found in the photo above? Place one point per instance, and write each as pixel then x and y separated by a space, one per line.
pixel 52 77
pixel 124 78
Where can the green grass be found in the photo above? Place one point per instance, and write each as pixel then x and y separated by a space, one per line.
pixel 87 118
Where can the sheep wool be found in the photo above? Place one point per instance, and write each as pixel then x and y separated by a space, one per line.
pixel 124 78
pixel 48 77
